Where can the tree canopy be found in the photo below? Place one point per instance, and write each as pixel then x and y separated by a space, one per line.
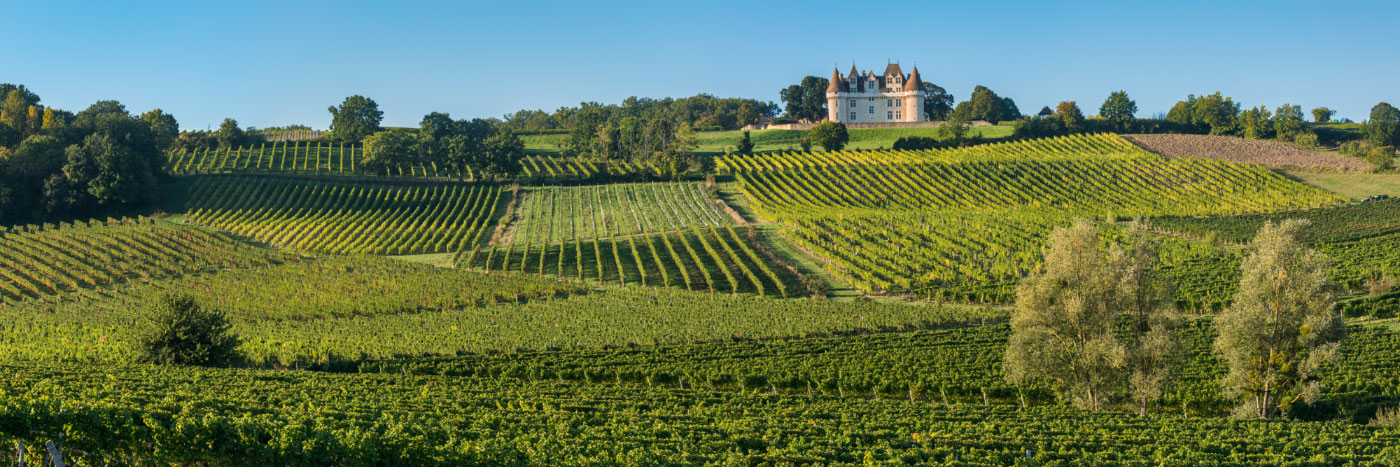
pixel 806 100
pixel 357 117
pixel 938 103
pixel 831 136
pixel 1119 109
pixel 1383 128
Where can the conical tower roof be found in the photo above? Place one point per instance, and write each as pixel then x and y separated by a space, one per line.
pixel 914 83
pixel 837 84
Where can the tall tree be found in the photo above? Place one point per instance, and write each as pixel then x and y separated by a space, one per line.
pixel 1288 122
pixel 807 99
pixel 1216 112
pixel 1069 116
pixel 163 127
pixel 503 153
pixel 1154 348
pixel 1383 128
pixel 357 117
pixel 1119 110
pixel 1256 123
pixel 435 132
pixel 1063 329
pixel 938 103
pixel 1323 114
pixel 14 111
pixel 230 135
pixel 390 149
pixel 1281 329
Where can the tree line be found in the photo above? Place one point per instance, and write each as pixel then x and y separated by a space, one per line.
pixel 1215 114
pixel 700 112
pixel 56 164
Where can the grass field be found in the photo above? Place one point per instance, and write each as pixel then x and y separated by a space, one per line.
pixel 1352 185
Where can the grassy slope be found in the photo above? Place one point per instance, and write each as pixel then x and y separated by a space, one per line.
pixel 1352 185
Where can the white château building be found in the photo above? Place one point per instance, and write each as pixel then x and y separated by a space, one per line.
pixel 870 98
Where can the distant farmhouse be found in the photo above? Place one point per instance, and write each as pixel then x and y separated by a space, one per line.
pixel 870 98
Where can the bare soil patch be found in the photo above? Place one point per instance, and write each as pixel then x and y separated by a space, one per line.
pixel 1271 154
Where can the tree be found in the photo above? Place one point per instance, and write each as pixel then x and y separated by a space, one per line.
pixel 357 118
pixel 388 149
pixel 230 135
pixel 938 103
pixel 435 132
pixel 831 136
pixel 503 153
pixel 806 100
pixel 1323 114
pixel 1256 123
pixel 745 144
pixel 163 126
pixel 1154 348
pixel 14 111
pixel 1281 329
pixel 1215 112
pixel 180 332
pixel 1119 110
pixel 1383 128
pixel 986 105
pixel 953 130
pixel 1062 329
pixel 1288 122
pixel 1180 113
pixel 1067 113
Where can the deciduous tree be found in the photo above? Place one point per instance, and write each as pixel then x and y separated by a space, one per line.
pixel 356 118
pixel 1069 116
pixel 1323 114
pixel 831 136
pixel 938 103
pixel 1119 110
pixel 1281 329
pixel 1288 122
pixel 1383 128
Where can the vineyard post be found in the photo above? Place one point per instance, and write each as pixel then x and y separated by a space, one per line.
pixel 19 452
pixel 54 454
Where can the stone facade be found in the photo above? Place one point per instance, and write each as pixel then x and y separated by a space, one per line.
pixel 871 98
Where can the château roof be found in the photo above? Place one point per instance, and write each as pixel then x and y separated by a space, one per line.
pixel 914 83
pixel 893 69
pixel 837 84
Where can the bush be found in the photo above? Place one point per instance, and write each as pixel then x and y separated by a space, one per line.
pixel 1387 417
pixel 180 332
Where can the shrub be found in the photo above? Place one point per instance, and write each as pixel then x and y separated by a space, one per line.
pixel 1387 417
pixel 180 332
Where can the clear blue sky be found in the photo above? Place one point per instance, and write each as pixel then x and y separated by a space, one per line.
pixel 268 63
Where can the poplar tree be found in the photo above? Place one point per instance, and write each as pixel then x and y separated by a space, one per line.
pixel 1155 350
pixel 1281 329
pixel 1062 330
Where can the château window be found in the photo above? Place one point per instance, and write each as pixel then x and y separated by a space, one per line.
pixel 889 115
pixel 889 103
pixel 899 103
pixel 872 109
pixel 899 115
pixel 853 102
pixel 853 115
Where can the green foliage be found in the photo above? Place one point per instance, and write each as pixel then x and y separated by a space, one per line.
pixel 1281 330
pixel 1257 124
pixel 1383 128
pixel 356 118
pixel 1068 115
pixel 745 144
pixel 1288 122
pixel 1119 109
pixel 1323 114
pixel 181 332
pixel 938 103
pixel 806 100
pixel 230 135
pixel 164 128
pixel 986 105
pixel 390 149
pixel 831 136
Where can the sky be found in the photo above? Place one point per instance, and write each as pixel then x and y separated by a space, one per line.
pixel 280 63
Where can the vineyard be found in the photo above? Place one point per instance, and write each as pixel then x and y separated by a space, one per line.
pixel 318 158
pixel 320 311
pixel 1361 238
pixel 50 260
pixel 530 417
pixel 662 234
pixel 964 224
pixel 346 218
